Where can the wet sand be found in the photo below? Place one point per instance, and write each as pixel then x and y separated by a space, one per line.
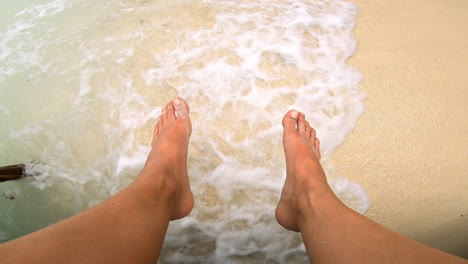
pixel 409 149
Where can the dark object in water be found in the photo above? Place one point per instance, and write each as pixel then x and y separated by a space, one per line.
pixel 9 197
pixel 13 172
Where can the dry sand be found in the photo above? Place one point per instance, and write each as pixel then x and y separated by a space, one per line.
pixel 410 149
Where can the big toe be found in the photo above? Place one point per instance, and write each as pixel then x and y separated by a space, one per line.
pixel 181 108
pixel 290 121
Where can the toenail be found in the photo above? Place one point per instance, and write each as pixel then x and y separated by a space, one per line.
pixel 177 101
pixel 294 114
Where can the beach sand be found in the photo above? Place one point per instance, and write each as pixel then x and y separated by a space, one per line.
pixel 409 149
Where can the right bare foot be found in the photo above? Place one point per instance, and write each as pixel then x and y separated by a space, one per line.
pixel 305 179
pixel 166 167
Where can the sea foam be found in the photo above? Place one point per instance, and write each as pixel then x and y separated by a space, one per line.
pixel 93 76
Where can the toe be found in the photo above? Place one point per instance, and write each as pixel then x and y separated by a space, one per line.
pixel 160 123
pixel 317 147
pixel 164 114
pixel 307 130
pixel 170 112
pixel 301 125
pixel 290 120
pixel 161 119
pixel 181 108
pixel 156 130
pixel 313 134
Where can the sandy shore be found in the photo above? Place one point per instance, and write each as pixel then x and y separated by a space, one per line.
pixel 409 149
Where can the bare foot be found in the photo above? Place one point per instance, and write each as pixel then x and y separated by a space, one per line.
pixel 305 179
pixel 166 167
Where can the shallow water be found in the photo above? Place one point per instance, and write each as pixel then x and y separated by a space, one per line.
pixel 82 83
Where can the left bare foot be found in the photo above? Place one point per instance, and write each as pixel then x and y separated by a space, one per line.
pixel 166 167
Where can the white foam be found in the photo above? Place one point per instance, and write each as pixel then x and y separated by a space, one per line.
pixel 240 64
pixel 4 111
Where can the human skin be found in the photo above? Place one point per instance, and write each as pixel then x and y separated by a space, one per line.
pixel 130 227
pixel 332 232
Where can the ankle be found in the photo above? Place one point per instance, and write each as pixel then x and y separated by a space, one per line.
pixel 314 205
pixel 155 188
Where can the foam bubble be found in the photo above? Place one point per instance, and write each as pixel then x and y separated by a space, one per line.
pixel 4 111
pixel 240 64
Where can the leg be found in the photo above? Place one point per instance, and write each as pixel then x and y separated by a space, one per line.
pixel 332 232
pixel 129 227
